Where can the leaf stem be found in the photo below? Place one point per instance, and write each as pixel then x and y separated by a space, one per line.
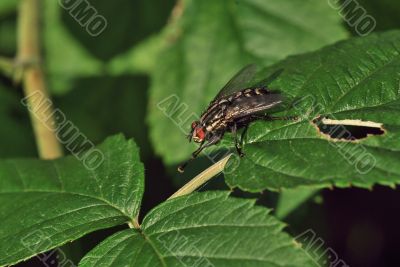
pixel 134 224
pixel 28 59
pixel 202 178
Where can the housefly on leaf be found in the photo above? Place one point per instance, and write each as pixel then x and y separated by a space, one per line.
pixel 235 106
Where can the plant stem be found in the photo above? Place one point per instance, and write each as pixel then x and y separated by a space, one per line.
pixel 29 59
pixel 202 178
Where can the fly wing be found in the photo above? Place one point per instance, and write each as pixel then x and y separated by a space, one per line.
pixel 269 79
pixel 239 81
pixel 252 105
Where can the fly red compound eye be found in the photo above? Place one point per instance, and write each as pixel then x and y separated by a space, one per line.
pixel 200 134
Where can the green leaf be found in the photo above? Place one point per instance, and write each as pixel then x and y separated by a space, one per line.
pixel 357 79
pixel 124 114
pixel 202 229
pixel 74 60
pixel 142 58
pixel 384 12
pixel 8 36
pixel 290 199
pixel 8 10
pixel 48 203
pixel 16 136
pixel 7 7
pixel 125 28
pixel 84 55
pixel 212 41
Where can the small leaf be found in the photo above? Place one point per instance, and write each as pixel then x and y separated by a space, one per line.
pixel 202 229
pixel 48 203
pixel 290 199
pixel 354 81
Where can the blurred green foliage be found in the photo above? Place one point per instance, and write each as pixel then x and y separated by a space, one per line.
pixel 385 13
pixel 15 132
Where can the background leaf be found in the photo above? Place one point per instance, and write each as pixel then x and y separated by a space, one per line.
pixel 71 52
pixel 89 107
pixel 142 58
pixel 202 229
pixel 66 57
pixel 47 203
pixel 213 41
pixel 8 33
pixel 290 199
pixel 384 12
pixel 16 137
pixel 354 79
pixel 7 7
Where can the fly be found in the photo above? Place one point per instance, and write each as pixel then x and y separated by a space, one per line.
pixel 234 107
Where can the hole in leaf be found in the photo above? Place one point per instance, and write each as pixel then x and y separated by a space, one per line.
pixel 348 129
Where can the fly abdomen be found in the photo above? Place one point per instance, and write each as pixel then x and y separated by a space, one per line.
pixel 255 92
pixel 249 92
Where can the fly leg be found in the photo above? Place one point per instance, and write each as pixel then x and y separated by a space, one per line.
pixel 243 134
pixel 198 151
pixel 213 140
pixel 194 155
pixel 237 145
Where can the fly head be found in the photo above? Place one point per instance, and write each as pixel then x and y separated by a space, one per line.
pixel 197 133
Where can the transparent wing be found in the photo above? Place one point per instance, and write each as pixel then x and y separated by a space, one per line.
pixel 269 79
pixel 247 106
pixel 239 81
